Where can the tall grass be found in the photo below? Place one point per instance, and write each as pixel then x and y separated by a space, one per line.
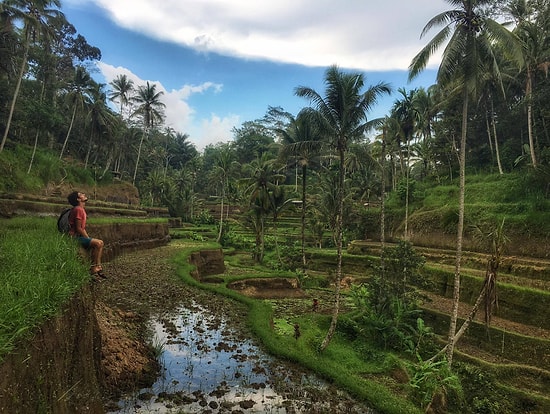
pixel 40 270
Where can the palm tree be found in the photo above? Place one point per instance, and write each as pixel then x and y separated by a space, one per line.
pixel 150 108
pixel 426 107
pixel 100 119
pixel 122 157
pixel 383 193
pixel 488 97
pixel 326 202
pixel 8 42
pixel 116 131
pixel 393 138
pixel 262 187
pixel 471 37
pixel 342 116
pixel 78 90
pixel 363 166
pixel 535 49
pixel 405 113
pixel 35 16
pixel 223 161
pixel 302 141
pixel 182 150
pixel 122 90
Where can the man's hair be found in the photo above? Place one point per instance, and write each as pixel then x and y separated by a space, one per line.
pixel 73 198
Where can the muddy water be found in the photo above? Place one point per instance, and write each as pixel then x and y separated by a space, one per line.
pixel 209 367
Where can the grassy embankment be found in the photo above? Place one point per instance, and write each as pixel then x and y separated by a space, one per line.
pixel 40 271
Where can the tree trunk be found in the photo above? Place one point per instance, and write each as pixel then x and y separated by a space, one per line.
pixel 16 92
pixel 383 205
pixel 107 164
pixel 89 151
pixel 407 174
pixel 303 218
pixel 262 238
pixel 68 133
pixel 138 155
pixel 489 138
pixel 460 231
pixel 339 238
pixel 497 152
pixel 487 294
pixel 221 214
pixel 529 96
pixel 33 150
pixel 276 234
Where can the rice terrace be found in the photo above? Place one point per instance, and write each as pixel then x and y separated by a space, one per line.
pixel 318 262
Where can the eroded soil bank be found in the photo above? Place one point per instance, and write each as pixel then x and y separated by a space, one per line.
pixel 59 370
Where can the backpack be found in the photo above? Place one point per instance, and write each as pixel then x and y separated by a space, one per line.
pixel 63 221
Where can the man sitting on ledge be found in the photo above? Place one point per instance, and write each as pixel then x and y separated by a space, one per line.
pixel 77 229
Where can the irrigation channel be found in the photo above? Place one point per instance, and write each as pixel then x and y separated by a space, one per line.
pixel 209 367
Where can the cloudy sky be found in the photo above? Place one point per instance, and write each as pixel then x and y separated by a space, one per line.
pixel 223 62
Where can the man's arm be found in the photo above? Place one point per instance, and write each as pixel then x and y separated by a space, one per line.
pixel 78 228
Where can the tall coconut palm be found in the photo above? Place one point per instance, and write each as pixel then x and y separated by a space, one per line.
pixel 426 108
pixel 535 52
pixel 101 120
pixel 150 108
pixel 8 42
pixel 471 37
pixel 122 91
pixel 78 91
pixel 35 16
pixel 302 141
pixel 342 116
pixel 490 91
pixel 262 185
pixel 393 138
pixel 224 159
pixel 182 150
pixel 406 115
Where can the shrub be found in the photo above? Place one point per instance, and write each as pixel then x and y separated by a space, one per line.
pixel 204 217
pixel 433 380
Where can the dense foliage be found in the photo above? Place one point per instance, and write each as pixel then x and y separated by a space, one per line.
pixel 48 99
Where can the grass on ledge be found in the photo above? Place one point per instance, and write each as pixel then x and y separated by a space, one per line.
pixel 40 271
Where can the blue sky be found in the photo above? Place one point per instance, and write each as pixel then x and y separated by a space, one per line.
pixel 223 62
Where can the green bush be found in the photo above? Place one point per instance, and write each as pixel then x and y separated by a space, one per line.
pixel 431 379
pixel 204 217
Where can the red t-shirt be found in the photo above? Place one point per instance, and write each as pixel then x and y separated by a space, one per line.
pixel 76 213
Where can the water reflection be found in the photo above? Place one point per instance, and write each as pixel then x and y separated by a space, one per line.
pixel 208 367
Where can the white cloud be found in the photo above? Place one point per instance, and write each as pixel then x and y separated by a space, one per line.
pixel 179 114
pixel 216 130
pixel 359 34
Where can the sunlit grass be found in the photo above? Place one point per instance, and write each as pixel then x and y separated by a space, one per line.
pixel 40 271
